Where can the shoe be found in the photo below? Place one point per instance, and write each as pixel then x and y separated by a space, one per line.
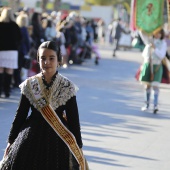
pixel 144 108
pixel 155 109
pixel 96 61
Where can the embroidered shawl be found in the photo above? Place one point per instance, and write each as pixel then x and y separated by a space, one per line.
pixel 60 92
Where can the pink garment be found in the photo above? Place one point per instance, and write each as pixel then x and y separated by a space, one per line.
pixel 78 51
pixel 95 50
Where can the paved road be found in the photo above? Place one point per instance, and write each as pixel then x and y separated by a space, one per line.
pixel 116 134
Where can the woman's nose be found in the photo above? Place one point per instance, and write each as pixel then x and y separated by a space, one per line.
pixel 46 62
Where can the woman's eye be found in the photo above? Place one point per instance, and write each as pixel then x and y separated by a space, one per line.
pixel 52 58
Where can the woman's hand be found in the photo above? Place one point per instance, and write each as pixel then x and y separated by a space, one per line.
pixel 152 45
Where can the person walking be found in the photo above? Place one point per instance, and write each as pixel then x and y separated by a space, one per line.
pixel 116 34
pixel 10 39
pixel 152 69
pixel 48 138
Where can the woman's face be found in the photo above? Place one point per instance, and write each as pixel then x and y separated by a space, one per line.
pixel 157 35
pixel 48 60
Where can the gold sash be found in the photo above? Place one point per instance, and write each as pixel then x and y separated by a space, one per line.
pixel 54 121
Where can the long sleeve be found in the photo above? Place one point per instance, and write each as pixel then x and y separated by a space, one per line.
pixel 20 118
pixel 73 119
pixel 160 52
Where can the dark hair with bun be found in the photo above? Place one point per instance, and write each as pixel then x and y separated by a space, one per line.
pixel 52 45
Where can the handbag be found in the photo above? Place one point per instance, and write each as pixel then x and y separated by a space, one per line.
pixel 27 62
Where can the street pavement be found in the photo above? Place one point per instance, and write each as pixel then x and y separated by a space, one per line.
pixel 116 134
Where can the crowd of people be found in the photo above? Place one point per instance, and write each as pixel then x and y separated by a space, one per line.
pixel 22 33
pixel 50 136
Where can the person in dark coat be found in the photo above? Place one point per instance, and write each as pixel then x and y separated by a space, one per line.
pixel 10 39
pixel 116 34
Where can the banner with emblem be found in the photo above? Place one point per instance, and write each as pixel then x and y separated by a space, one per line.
pixel 149 15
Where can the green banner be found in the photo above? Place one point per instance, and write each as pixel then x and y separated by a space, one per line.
pixel 149 15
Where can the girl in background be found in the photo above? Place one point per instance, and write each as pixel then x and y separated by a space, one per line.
pixel 152 69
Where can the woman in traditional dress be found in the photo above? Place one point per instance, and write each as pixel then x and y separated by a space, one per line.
pixel 33 143
pixel 152 69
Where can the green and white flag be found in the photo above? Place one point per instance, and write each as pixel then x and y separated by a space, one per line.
pixel 149 15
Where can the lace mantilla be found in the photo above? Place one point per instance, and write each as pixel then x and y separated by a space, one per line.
pixel 59 93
